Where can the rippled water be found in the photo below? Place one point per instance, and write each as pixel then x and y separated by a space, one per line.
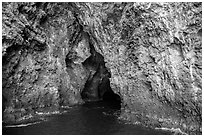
pixel 99 118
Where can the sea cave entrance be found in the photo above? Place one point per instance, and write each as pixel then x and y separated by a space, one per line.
pixel 97 87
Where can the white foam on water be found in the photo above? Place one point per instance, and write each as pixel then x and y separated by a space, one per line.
pixel 50 113
pixel 66 107
pixel 23 125
pixel 107 114
pixel 47 113
pixel 176 131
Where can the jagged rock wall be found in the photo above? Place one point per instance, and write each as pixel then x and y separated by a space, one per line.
pixel 152 50
pixel 37 38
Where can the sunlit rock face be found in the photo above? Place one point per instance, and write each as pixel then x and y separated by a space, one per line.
pixel 152 52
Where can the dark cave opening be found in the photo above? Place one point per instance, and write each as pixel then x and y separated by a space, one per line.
pixel 97 87
pixel 101 92
pixel 108 95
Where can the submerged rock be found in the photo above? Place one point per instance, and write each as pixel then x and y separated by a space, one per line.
pixel 153 52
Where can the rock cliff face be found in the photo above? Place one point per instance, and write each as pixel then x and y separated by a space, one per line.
pixel 55 54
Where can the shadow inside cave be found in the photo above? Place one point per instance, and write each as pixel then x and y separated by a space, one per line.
pixel 97 87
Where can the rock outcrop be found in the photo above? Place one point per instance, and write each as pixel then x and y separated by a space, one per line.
pixel 152 53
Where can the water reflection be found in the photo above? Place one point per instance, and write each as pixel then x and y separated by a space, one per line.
pixel 89 119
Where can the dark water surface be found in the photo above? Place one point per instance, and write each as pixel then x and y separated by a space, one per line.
pixel 99 118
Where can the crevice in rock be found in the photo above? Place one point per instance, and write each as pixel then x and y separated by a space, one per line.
pixel 97 86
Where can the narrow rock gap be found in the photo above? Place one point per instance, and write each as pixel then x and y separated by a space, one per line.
pixel 97 87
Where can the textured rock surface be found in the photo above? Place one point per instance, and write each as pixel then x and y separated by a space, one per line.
pixel 152 50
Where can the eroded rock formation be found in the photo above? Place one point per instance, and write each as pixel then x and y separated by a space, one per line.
pixel 151 52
